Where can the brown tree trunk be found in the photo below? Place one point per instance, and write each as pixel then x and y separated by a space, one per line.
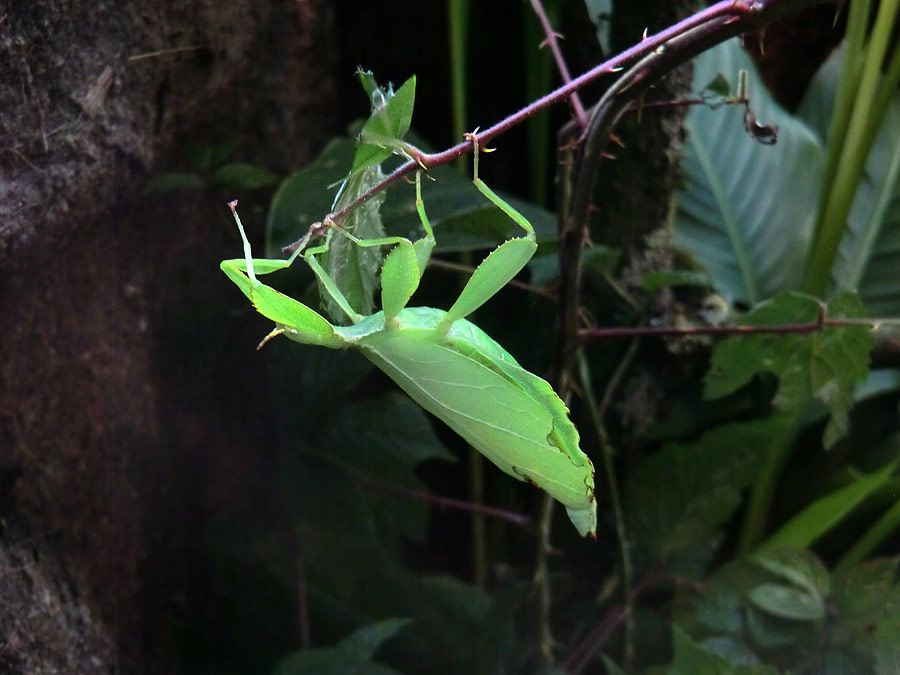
pixel 108 425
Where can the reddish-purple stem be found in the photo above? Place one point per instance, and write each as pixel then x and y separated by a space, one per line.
pixel 447 502
pixel 666 331
pixel 731 10
pixel 551 41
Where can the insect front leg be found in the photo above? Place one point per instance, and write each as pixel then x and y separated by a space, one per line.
pixel 499 268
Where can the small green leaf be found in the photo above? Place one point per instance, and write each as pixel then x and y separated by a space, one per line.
pixel 788 602
pixel 719 85
pixel 385 128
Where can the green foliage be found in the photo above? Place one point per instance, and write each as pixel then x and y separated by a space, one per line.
pixel 823 514
pixel 353 654
pixel 212 172
pixel 753 238
pixel 753 541
pixel 683 494
pixel 382 134
pixel 732 215
pixel 822 365
pixel 785 608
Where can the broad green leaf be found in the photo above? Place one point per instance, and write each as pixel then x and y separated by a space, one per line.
pixel 746 210
pixel 826 512
pixel 822 365
pixel 869 254
pixel 788 602
pixel 678 498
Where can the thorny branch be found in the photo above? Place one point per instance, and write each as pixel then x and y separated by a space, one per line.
pixel 719 22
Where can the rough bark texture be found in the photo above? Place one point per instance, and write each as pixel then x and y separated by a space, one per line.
pixel 95 509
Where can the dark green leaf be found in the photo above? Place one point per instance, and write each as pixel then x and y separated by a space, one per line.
pixel 821 364
pixel 826 512
pixel 719 85
pixel 611 667
pixel 384 455
pixel 243 177
pixel 306 196
pixel 679 497
pixel 692 659
pixel 175 182
pixel 363 642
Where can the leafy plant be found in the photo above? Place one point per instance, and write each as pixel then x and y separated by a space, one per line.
pixel 739 527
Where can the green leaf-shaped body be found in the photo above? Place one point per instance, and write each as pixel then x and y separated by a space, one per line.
pixel 471 383
pixel 446 364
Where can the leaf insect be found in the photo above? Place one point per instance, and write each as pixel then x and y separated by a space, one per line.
pixel 446 364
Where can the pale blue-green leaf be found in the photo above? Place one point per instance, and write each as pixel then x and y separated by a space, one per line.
pixel 600 13
pixel 801 568
pixel 746 210
pixel 825 513
pixel 869 254
pixel 787 602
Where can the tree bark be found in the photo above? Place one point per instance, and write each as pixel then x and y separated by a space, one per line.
pixel 95 507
